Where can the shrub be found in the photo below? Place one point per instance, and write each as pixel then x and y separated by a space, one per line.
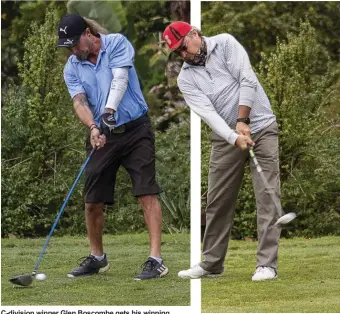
pixel 300 95
pixel 40 139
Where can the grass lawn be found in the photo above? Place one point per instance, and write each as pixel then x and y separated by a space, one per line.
pixel 116 287
pixel 309 280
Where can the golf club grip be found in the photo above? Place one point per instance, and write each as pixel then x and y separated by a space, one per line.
pixel 62 208
pixel 252 155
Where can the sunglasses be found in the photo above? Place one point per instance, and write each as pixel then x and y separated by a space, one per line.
pixel 182 48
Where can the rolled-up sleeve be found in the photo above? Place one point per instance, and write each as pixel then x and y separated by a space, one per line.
pixel 73 83
pixel 238 64
pixel 201 105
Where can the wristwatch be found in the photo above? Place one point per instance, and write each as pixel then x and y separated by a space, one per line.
pixel 244 120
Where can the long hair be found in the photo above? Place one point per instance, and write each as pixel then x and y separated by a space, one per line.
pixel 95 27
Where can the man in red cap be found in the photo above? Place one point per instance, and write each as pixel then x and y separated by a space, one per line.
pixel 218 84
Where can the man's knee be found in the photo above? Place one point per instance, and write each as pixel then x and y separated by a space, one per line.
pixel 149 202
pixel 94 207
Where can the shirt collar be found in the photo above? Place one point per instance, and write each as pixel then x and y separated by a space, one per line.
pixel 211 45
pixel 104 42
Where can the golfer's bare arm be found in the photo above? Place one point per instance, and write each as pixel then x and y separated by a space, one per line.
pixel 243 111
pixel 82 108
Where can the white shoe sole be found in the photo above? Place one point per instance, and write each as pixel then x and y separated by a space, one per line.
pixel 162 274
pixel 263 279
pixel 104 269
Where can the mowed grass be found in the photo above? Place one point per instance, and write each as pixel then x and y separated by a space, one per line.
pixel 309 280
pixel 116 287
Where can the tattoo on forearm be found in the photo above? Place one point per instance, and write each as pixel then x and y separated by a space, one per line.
pixel 81 99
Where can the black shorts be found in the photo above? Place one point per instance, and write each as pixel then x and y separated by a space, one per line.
pixel 135 151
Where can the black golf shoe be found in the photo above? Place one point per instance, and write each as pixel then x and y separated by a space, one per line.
pixel 89 266
pixel 152 269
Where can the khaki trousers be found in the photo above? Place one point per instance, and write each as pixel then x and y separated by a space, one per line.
pixel 226 172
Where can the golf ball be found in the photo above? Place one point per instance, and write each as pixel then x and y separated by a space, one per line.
pixel 40 276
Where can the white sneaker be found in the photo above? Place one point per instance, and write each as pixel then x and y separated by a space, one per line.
pixel 264 273
pixel 196 272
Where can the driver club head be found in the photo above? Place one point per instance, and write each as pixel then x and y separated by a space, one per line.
pixel 22 280
pixel 285 219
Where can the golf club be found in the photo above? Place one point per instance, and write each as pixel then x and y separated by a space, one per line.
pixel 284 218
pixel 26 280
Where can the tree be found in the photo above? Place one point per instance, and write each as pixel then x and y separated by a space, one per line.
pixel 110 14
pixel 300 96
pixel 15 22
pixel 159 70
pixel 257 24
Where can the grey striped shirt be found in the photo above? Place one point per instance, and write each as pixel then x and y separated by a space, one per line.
pixel 215 91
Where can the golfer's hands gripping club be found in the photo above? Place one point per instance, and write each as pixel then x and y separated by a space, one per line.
pixel 243 128
pixel 108 122
pixel 97 139
pixel 243 142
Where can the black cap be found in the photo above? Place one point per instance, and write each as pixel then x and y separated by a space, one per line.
pixel 70 28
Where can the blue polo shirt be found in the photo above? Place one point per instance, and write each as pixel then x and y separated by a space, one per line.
pixel 95 79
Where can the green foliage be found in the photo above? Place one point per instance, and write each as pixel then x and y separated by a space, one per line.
pixel 308 138
pixel 148 19
pixel 18 16
pixel 173 158
pixel 167 105
pixel 40 139
pixel 110 14
pixel 176 212
pixel 296 91
pixel 257 24
pixel 205 148
pixel 173 167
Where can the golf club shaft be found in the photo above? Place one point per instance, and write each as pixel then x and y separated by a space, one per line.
pixel 265 182
pixel 62 210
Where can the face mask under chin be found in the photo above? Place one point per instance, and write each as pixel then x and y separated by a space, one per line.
pixel 200 57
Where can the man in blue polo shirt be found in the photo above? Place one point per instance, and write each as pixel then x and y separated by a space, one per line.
pixel 107 98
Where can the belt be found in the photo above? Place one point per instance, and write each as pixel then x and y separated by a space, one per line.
pixel 130 125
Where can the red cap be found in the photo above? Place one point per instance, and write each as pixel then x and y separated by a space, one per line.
pixel 174 34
